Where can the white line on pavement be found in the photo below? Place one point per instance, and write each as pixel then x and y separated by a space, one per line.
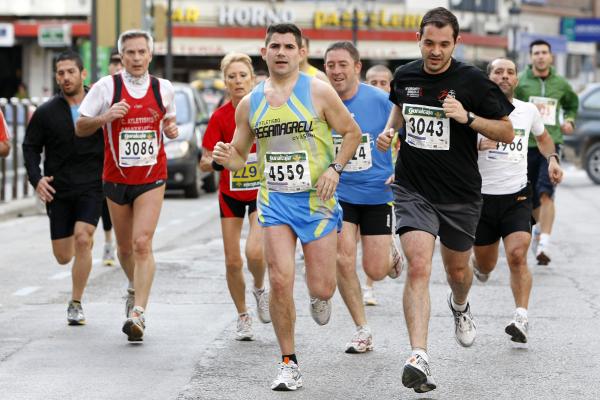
pixel 26 291
pixel 60 275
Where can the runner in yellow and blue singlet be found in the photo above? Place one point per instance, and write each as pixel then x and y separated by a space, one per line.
pixel 294 147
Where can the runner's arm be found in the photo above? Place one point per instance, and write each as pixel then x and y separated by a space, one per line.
pixel 206 160
pixel 4 148
pixel 394 123
pixel 570 104
pixel 546 146
pixel 233 155
pixel 500 130
pixel 87 126
pixel 339 119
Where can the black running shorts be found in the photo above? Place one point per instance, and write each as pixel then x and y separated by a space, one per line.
pixel 64 212
pixel 233 208
pixel 373 219
pixel 123 194
pixel 454 223
pixel 502 215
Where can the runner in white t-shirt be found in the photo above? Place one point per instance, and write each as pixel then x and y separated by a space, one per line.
pixel 506 211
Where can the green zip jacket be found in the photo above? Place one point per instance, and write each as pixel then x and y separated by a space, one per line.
pixel 558 94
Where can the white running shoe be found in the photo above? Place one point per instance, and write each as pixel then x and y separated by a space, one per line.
pixel 243 330
pixel 369 296
pixel 361 342
pixel 108 255
pixel 481 277
pixel 416 374
pixel 288 377
pixel 542 254
pixel 518 329
pixel 464 326
pixel 320 310
pixel 75 313
pixel 262 305
pixel 397 261
pixel 135 325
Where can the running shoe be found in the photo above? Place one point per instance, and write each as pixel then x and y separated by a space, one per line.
pixel 320 310
pixel 361 342
pixel 108 255
pixel 288 377
pixel 262 305
pixel 397 261
pixel 464 326
pixel 481 277
pixel 518 329
pixel 75 313
pixel 243 331
pixel 129 301
pixel 369 296
pixel 135 325
pixel 542 255
pixel 416 374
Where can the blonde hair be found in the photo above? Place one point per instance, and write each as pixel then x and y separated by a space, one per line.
pixel 236 57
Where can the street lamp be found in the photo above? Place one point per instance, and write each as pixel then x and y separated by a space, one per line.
pixel 513 24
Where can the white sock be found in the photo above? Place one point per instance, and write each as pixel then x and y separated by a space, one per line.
pixel 544 239
pixel 420 352
pixel 535 231
pixel 458 307
pixel 521 311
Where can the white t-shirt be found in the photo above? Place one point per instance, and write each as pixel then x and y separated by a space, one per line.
pixel 99 98
pixel 504 169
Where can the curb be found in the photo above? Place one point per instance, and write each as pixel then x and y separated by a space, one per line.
pixel 18 208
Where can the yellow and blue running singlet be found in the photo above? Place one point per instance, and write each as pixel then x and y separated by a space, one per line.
pixel 294 148
pixel 312 71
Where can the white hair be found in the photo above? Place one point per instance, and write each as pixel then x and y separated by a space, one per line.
pixel 132 34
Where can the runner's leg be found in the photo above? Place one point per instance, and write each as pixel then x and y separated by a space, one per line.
pixel 458 273
pixel 82 265
pixel 280 247
pixel 418 248
pixel 122 220
pixel 516 245
pixel 347 278
pixel 64 249
pixel 320 259
pixel 146 211
pixel 232 228
pixel 375 262
pixel 254 251
pixel 486 257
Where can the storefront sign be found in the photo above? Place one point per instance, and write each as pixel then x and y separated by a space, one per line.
pixel 7 35
pixel 54 35
pixel 230 15
pixel 581 29
pixel 187 14
pixel 373 20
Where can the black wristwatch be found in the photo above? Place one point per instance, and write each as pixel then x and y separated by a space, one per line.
pixel 470 118
pixel 337 167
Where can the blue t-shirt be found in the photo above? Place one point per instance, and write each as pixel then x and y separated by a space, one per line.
pixel 360 184
pixel 75 112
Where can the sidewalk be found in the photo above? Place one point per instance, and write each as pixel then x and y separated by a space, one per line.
pixel 19 208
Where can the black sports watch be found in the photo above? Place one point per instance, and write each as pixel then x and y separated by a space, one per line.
pixel 337 167
pixel 470 118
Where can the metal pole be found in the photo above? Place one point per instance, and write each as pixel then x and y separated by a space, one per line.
pixel 169 58
pixel 354 26
pixel 15 144
pixel 94 43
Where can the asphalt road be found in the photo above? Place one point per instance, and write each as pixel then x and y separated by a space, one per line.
pixel 189 351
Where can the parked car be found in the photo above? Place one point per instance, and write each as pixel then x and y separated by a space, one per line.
pixel 184 152
pixel 585 140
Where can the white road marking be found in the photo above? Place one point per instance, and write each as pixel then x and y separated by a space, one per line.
pixel 60 275
pixel 26 291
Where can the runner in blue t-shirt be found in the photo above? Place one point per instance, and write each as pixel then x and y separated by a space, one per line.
pixel 365 198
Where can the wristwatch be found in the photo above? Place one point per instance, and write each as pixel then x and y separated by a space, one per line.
pixel 337 167
pixel 470 118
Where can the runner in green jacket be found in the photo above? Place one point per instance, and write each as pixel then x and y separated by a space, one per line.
pixel 541 85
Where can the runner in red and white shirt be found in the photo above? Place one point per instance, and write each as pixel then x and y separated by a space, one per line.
pixel 134 109
pixel 237 191
pixel 4 137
